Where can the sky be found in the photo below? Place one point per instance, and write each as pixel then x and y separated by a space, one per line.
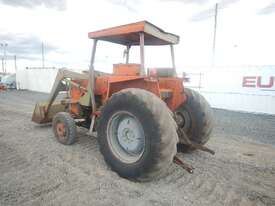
pixel 245 32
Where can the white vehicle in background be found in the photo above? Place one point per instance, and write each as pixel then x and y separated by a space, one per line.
pixel 1 76
pixel 8 81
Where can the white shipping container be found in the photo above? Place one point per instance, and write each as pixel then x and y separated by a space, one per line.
pixel 40 80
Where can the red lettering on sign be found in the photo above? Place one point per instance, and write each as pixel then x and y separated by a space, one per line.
pixel 249 81
pixel 261 85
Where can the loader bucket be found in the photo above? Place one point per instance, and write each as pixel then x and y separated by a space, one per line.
pixel 39 114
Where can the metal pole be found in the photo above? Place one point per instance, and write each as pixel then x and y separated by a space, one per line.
pixel 15 65
pixel 173 58
pixel 92 75
pixel 92 85
pixel 141 37
pixel 2 45
pixel 5 58
pixel 127 53
pixel 3 65
pixel 43 57
pixel 214 37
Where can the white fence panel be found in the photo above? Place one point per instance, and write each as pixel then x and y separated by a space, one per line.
pixel 249 89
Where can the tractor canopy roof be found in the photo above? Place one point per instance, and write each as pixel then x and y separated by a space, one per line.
pixel 129 34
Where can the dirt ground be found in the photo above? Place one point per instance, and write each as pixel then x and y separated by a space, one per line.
pixel 36 170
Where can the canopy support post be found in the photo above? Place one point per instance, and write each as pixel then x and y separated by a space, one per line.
pixel 141 39
pixel 127 53
pixel 92 85
pixel 173 58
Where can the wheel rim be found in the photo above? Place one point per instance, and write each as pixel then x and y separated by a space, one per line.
pixel 60 131
pixel 125 137
pixel 183 119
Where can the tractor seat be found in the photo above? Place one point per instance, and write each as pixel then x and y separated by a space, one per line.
pixel 161 72
pixel 97 73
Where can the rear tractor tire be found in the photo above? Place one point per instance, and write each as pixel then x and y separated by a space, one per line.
pixel 195 118
pixel 64 128
pixel 137 134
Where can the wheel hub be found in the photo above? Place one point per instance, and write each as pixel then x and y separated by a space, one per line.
pixel 180 119
pixel 126 136
pixel 183 119
pixel 129 135
pixel 60 130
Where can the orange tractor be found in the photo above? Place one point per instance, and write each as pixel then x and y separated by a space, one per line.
pixel 142 116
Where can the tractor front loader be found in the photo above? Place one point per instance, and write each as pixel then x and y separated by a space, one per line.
pixel 141 116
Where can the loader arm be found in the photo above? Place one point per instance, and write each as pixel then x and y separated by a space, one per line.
pixel 58 86
pixel 44 111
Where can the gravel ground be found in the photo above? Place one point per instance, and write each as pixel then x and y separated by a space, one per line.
pixel 36 170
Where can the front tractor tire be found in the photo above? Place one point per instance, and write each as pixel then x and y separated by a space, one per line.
pixel 195 118
pixel 64 128
pixel 137 134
